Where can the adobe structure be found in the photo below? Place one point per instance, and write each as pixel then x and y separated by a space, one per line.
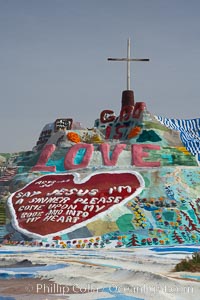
pixel 131 180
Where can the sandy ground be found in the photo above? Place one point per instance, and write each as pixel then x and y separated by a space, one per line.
pixel 122 274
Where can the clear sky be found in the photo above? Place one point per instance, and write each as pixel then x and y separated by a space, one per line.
pixel 53 61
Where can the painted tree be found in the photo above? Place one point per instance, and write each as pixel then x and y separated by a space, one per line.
pixel 133 241
pixel 195 211
pixel 191 224
pixel 177 237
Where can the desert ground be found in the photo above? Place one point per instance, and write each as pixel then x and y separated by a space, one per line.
pixel 93 274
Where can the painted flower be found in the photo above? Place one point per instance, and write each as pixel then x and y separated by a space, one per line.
pixel 155 240
pixel 119 244
pixel 158 217
pixel 143 241
pixel 73 137
pixel 107 241
pixel 193 236
pixel 134 132
pixel 96 139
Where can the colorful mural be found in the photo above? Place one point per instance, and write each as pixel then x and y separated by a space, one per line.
pixel 62 203
pixel 132 180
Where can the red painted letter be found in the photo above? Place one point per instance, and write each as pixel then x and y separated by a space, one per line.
pixel 126 113
pixel 107 116
pixel 139 107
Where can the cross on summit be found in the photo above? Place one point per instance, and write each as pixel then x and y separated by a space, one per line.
pixel 128 59
pixel 128 93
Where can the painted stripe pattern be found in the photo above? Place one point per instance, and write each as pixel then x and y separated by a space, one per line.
pixel 189 132
pixel 8 174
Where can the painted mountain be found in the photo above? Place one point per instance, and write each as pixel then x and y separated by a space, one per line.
pixel 131 180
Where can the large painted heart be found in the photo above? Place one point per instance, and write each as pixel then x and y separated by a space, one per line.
pixel 54 203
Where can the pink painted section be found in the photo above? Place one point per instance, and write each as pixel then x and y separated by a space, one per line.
pixel 43 159
pixel 138 154
pixel 105 149
pixel 71 154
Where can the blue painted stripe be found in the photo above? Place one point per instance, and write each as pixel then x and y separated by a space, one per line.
pixel 189 132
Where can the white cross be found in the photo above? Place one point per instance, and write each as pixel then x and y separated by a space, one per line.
pixel 128 59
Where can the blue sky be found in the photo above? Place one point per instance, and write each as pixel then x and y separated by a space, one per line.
pixel 53 61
